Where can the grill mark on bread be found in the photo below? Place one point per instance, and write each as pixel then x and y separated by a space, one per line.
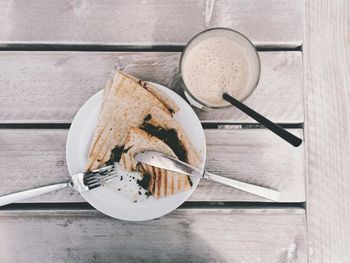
pixel 158 184
pixel 179 184
pixel 154 175
pixel 165 185
pixel 151 185
pixel 172 184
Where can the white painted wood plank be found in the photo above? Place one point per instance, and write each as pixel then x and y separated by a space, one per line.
pixel 50 87
pixel 147 22
pixel 195 235
pixel 37 158
pixel 255 156
pixel 327 82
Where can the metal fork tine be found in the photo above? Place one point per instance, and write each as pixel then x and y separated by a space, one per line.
pixel 94 180
pixel 102 174
pixel 103 169
pixel 100 182
pixel 107 178
pixel 90 177
pixel 98 179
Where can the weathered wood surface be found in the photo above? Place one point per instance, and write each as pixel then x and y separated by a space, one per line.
pixel 185 235
pixel 50 87
pixel 327 82
pixel 148 23
pixel 37 157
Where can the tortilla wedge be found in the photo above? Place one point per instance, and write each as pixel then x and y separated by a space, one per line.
pixel 162 125
pixel 169 104
pixel 162 182
pixel 125 106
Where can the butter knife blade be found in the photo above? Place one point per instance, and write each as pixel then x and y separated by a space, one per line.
pixel 167 162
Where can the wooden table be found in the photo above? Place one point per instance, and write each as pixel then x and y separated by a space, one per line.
pixel 55 54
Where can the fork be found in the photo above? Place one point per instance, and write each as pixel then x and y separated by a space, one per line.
pixel 81 182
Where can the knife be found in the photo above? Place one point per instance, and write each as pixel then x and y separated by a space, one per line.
pixel 167 162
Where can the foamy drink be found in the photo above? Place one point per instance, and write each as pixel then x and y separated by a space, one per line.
pixel 218 61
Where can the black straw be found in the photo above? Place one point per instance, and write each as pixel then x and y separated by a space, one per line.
pixel 284 134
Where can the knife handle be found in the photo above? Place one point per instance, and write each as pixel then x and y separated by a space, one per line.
pixel 250 188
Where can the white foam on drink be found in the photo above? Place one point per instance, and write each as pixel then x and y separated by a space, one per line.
pixel 215 65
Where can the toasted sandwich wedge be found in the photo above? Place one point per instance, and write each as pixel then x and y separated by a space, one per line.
pixel 126 102
pixel 170 105
pixel 162 182
pixel 162 125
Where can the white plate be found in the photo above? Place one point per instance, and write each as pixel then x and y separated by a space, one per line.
pixel 107 199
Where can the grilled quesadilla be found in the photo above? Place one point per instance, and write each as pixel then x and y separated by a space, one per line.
pixel 136 117
pixel 161 182
pixel 126 102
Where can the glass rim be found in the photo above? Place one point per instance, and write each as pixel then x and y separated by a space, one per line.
pixel 232 31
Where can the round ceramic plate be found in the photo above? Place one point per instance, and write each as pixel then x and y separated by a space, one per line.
pixel 106 198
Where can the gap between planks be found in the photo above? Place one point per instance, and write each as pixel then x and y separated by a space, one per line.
pixel 186 205
pixel 131 48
